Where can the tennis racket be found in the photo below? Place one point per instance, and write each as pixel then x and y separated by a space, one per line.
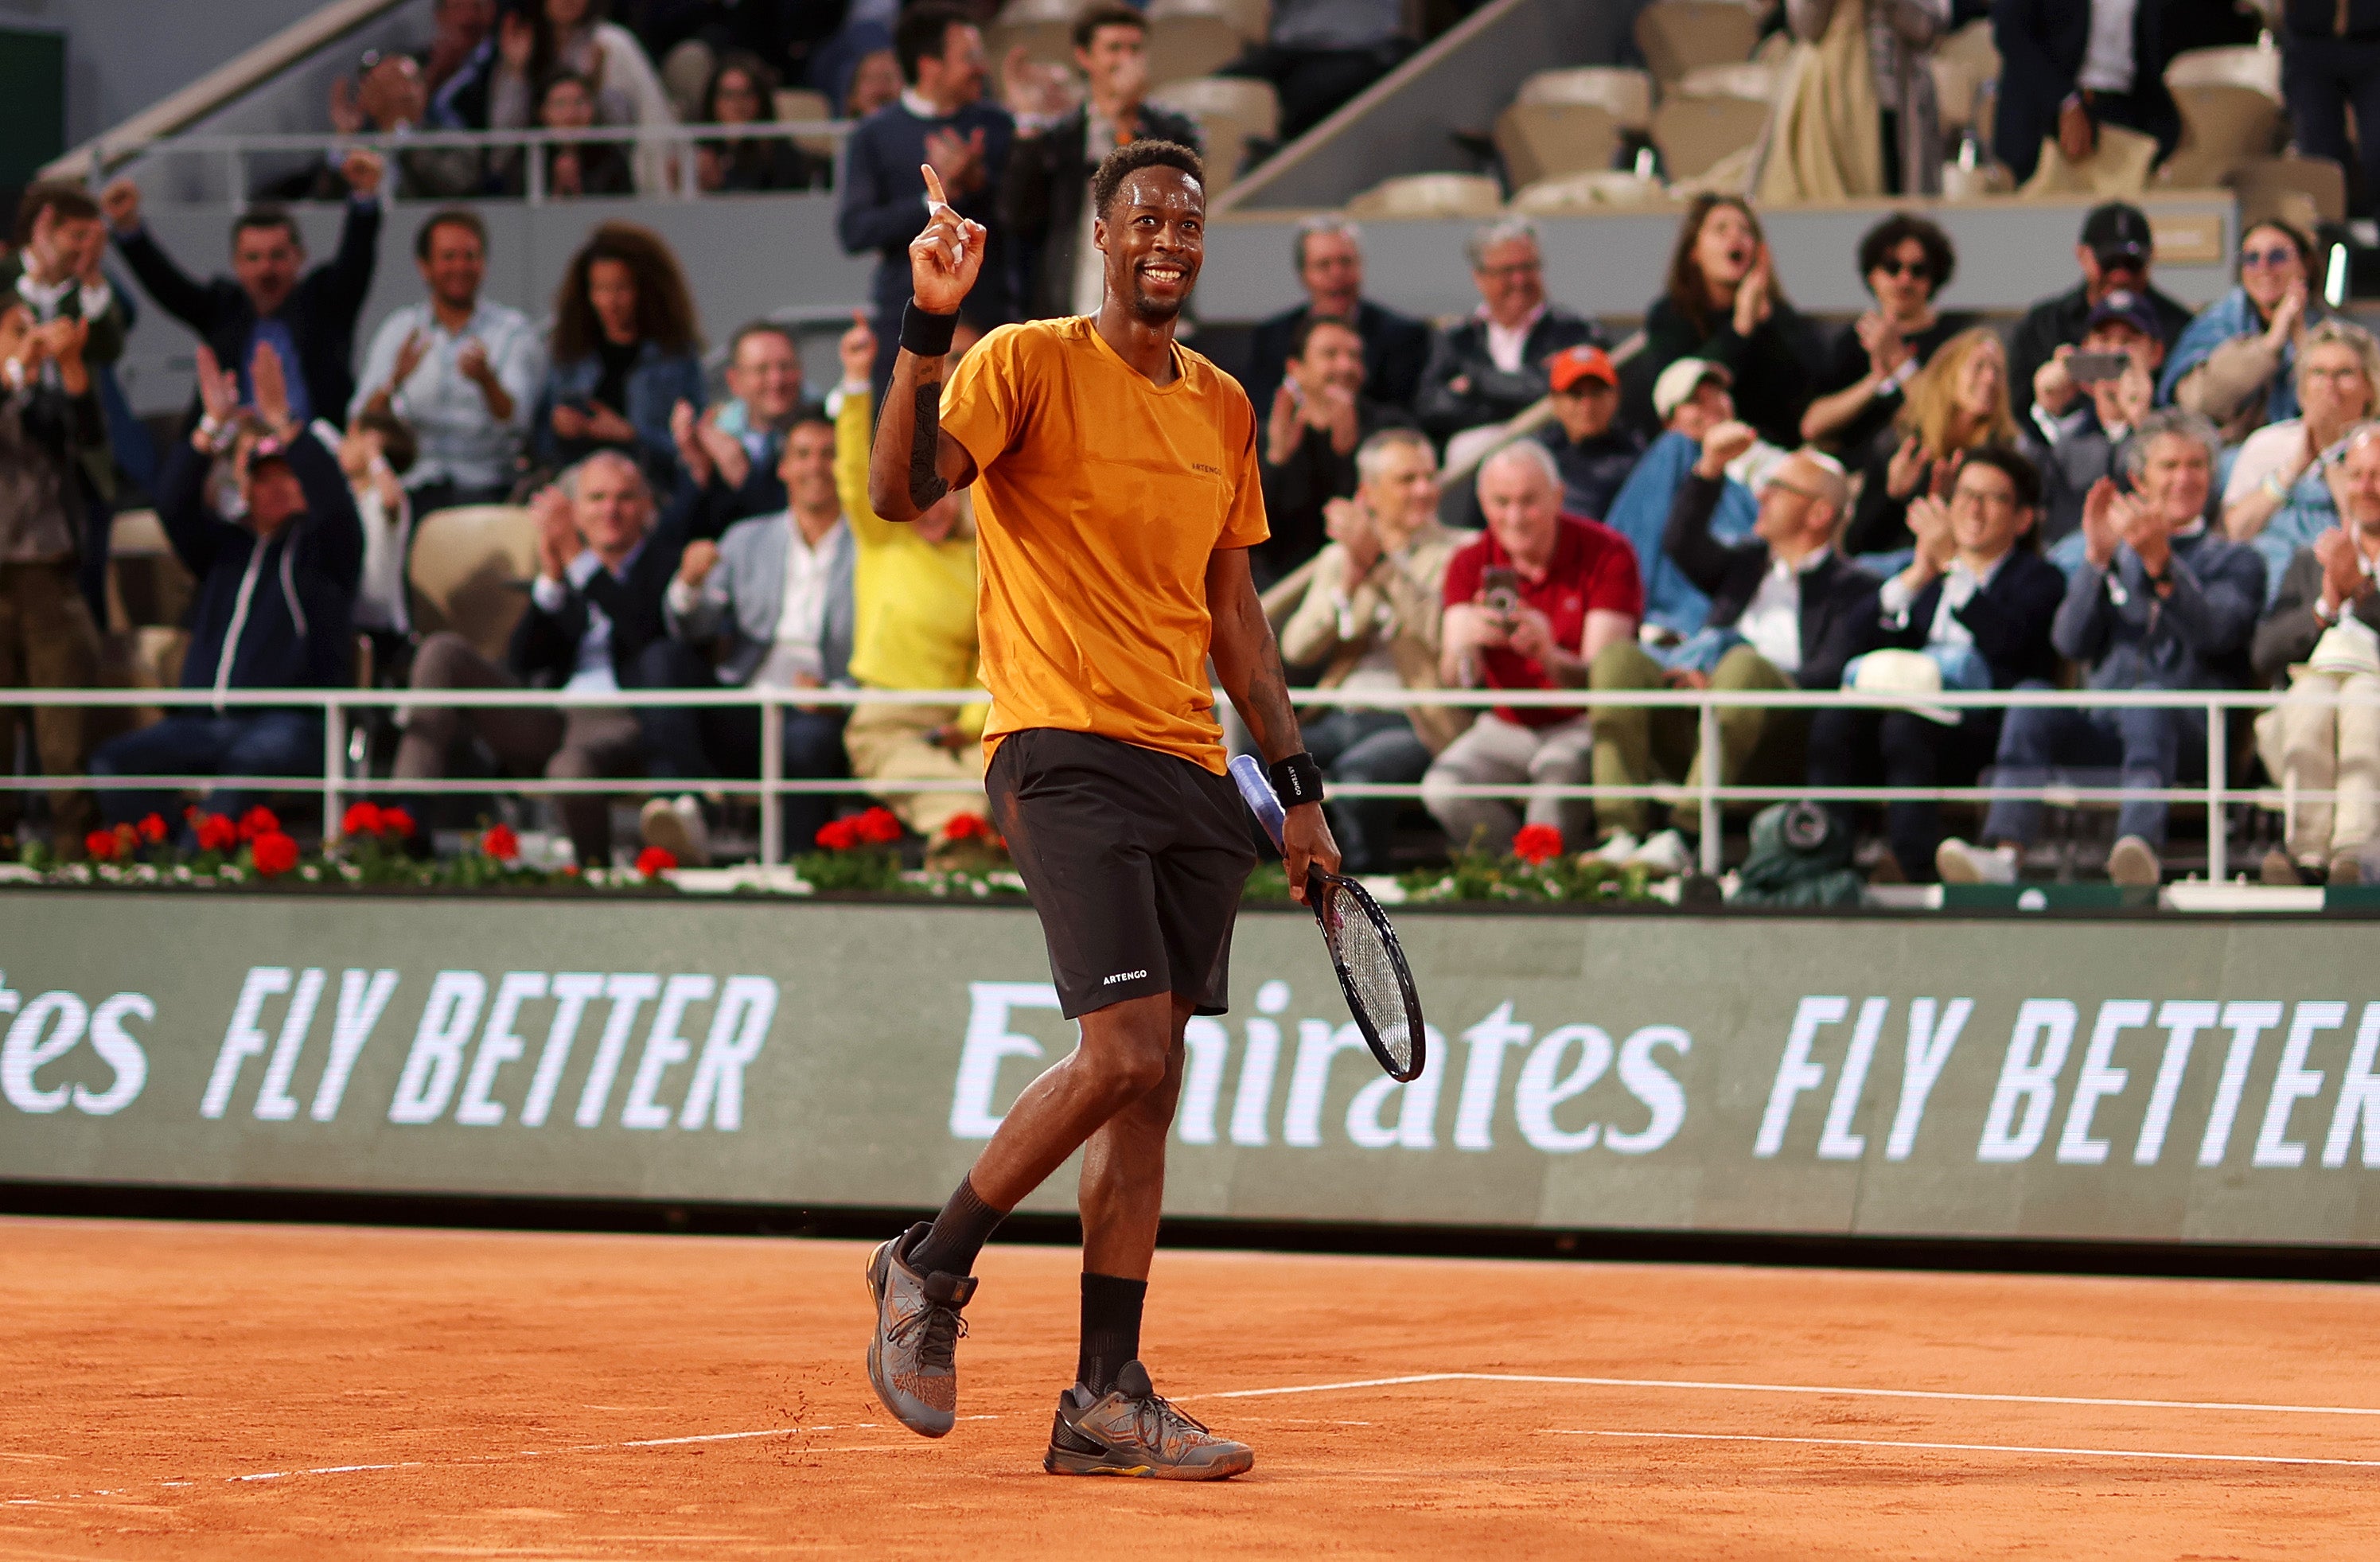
pixel 1364 948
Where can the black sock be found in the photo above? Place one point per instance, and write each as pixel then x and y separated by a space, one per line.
pixel 957 1235
pixel 1111 1329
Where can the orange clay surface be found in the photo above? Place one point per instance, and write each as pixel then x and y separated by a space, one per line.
pixel 218 1391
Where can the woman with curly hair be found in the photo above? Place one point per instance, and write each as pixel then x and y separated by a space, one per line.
pixel 1958 404
pixel 625 352
pixel 1723 304
pixel 1906 261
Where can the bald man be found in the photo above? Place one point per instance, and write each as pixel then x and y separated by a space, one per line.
pixel 1787 612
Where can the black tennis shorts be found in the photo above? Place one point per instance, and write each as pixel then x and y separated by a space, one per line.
pixel 1135 861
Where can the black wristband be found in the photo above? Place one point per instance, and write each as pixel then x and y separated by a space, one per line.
pixel 1296 780
pixel 926 334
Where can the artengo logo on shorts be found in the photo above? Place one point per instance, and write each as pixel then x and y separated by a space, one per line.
pixel 638 1049
pixel 1550 1104
pixel 2129 1086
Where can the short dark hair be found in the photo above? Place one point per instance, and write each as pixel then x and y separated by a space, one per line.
pixel 2021 474
pixel 922 32
pixel 399 445
pixel 71 202
pixel 807 413
pixel 763 328
pixel 1881 240
pixel 1093 17
pixel 449 217
pixel 1314 323
pixel 267 214
pixel 1129 158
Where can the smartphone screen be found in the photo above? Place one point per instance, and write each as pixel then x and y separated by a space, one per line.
pixel 2090 368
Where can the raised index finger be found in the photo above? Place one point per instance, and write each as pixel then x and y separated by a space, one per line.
pixel 934 196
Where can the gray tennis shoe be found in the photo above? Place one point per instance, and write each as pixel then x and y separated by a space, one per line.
pixel 910 1360
pixel 1133 1431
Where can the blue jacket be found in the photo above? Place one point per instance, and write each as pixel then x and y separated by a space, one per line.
pixel 1640 511
pixel 2233 315
pixel 2196 638
pixel 657 382
pixel 299 628
pixel 882 204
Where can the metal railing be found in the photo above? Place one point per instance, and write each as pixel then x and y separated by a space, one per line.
pixel 678 141
pixel 1709 794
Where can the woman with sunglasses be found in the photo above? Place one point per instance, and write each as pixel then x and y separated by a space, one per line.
pixel 2237 362
pixel 1906 261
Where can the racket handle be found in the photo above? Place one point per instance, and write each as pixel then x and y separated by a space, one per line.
pixel 1257 790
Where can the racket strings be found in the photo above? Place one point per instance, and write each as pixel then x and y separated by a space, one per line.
pixel 1361 950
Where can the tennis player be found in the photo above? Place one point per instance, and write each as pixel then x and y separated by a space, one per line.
pixel 1116 497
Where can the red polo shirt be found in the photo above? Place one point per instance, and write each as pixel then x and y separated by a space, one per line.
pixel 1593 569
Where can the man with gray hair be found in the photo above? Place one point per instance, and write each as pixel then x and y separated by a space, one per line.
pixel 596 605
pixel 1493 365
pixel 1329 254
pixel 2161 601
pixel 1532 604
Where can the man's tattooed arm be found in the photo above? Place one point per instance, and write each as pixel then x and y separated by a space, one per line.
pixel 926 483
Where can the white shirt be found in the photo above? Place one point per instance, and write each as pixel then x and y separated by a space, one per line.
pixel 1507 343
pixel 2107 57
pixel 1960 585
pixel 1772 620
pixel 48 299
pixel 380 594
pixel 801 619
pixel 461 441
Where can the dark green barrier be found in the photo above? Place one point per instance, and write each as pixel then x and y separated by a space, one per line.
pixel 2161 1079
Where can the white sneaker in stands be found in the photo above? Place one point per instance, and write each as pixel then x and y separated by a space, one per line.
pixel 2133 862
pixel 1666 853
pixel 1959 863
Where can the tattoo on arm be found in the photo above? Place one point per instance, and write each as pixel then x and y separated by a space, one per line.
pixel 926 481
pixel 1271 718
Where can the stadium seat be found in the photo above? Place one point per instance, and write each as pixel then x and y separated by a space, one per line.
pixel 146 582
pixel 795 105
pixel 1598 191
pixel 685 76
pixel 2118 170
pixel 468 573
pixel 1192 38
pixel 1569 121
pixel 2262 184
pixel 1710 115
pixel 1677 35
pixel 1430 195
pixel 2230 106
pixel 1230 111
pixel 1252 19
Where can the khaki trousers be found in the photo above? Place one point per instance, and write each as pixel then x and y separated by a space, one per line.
pixel 1495 752
pixel 2321 748
pixel 48 641
pixel 895 743
pixel 1636 746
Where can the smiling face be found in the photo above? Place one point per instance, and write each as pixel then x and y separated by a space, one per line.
pixel 1116 64
pixel 736 99
pixel 1154 236
pixel 612 291
pixel 2269 266
pixel 807 468
pixel 62 245
pixel 1331 267
pixel 2174 479
pixel 1512 280
pixel 613 508
pixel 1334 356
pixel 1523 507
pixel 1904 285
pixel 766 375
pixel 1401 490
pixel 1985 519
pixel 455 266
pixel 1977 393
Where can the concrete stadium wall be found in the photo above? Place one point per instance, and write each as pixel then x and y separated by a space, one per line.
pixel 1945 1077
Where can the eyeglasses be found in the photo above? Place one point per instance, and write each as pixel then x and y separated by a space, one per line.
pixel 1916 270
pixel 2261 257
pixel 1517 269
pixel 1778 485
pixel 1983 500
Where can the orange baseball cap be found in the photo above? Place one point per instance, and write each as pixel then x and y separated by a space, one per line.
pixel 1571 365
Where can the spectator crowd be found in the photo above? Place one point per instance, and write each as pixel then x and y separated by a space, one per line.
pixel 2113 493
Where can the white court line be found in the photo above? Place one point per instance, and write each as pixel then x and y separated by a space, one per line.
pixel 1792 1388
pixel 1967 1447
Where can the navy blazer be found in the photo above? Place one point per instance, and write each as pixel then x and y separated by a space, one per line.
pixel 1396 348
pixel 2041 44
pixel 1837 596
pixel 544 649
pixel 2009 619
pixel 321 310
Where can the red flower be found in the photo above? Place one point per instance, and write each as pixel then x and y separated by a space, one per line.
pixel 967 826
pixel 839 835
pixel 397 822
pixel 1537 844
pixel 153 829
pixel 216 833
pixel 878 827
pixel 272 853
pixel 361 818
pixel 257 822
pixel 654 861
pixel 501 843
pixel 99 844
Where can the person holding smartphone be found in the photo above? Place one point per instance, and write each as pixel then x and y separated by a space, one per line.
pixel 2088 397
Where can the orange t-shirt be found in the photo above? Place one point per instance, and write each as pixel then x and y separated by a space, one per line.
pixel 1098 500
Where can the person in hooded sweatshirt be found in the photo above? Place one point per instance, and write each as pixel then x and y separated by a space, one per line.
pixel 258 511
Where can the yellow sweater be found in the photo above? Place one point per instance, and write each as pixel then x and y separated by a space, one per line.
pixel 915 600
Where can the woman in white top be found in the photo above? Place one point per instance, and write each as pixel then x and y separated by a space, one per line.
pixel 572 35
pixel 2279 497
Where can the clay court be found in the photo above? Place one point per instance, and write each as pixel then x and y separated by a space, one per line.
pixel 214 1391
